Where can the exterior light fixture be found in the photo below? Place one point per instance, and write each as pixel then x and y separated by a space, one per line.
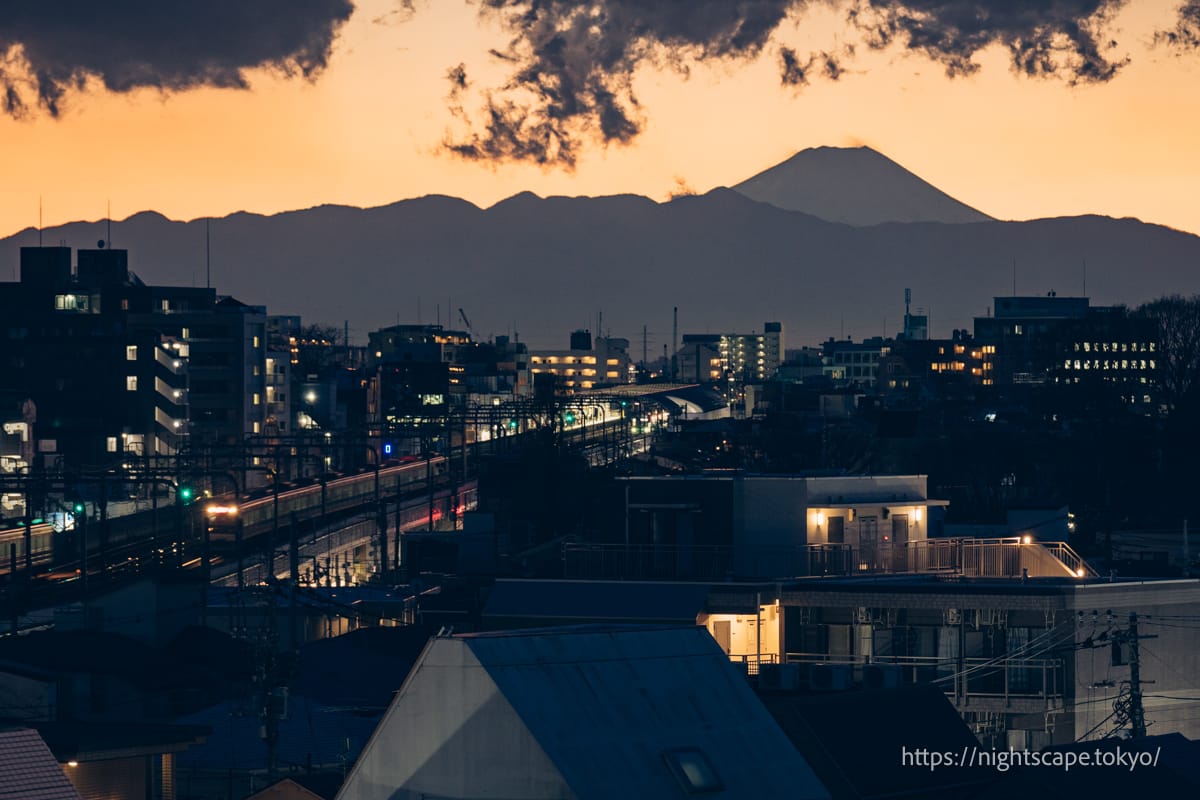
pixel 1026 539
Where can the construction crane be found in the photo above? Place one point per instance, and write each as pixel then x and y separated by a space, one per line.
pixel 466 321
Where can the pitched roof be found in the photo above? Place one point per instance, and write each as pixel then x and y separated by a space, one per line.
pixel 606 705
pixel 28 770
pixel 840 732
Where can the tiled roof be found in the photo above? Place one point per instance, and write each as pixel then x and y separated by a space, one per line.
pixel 28 771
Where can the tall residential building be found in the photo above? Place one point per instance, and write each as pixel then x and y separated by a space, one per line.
pixel 737 357
pixel 106 367
pixel 587 364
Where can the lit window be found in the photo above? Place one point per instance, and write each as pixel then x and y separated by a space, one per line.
pixel 256 400
pixel 131 352
pixel 256 342
pixel 256 427
pixel 693 770
pixel 131 383
pixel 111 444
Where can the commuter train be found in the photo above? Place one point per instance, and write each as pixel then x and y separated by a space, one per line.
pixel 257 516
pixel 130 534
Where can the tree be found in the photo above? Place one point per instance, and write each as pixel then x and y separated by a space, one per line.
pixel 315 349
pixel 1178 321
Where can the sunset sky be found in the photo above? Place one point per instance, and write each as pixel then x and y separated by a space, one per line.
pixel 369 128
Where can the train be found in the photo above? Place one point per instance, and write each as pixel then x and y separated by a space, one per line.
pixel 257 514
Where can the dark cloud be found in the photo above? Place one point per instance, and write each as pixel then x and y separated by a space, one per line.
pixel 1062 38
pixel 48 49
pixel 794 72
pixel 573 65
pixel 1186 33
pixel 573 61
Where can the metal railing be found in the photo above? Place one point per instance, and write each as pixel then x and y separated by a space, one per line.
pixel 1010 557
pixel 996 678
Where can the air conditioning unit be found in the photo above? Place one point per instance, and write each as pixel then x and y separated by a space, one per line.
pixel 953 616
pixel 769 676
pixel 881 676
pixel 779 677
pixel 830 677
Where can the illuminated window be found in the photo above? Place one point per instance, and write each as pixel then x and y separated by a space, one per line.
pixel 131 352
pixel 256 427
pixel 111 444
pixel 256 400
pixel 131 383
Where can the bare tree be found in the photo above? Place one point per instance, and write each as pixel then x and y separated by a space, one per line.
pixel 1178 321
pixel 317 348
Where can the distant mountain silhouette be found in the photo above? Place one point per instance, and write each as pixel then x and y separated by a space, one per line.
pixel 547 266
pixel 854 185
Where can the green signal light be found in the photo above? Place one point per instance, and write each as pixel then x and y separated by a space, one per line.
pixel 512 424
pixel 78 508
pixel 570 417
pixel 186 494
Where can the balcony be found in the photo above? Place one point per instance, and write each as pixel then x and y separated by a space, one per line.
pixel 1022 685
pixel 1011 557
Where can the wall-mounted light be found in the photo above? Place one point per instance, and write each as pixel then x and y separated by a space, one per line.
pixel 917 514
pixel 1026 539
pixel 820 517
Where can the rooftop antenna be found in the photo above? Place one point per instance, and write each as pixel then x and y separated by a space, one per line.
pixel 674 340
pixel 207 255
pixel 39 220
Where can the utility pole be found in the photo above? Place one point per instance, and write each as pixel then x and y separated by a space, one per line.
pixel 1137 712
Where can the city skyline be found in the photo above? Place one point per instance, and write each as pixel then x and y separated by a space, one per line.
pixel 1109 132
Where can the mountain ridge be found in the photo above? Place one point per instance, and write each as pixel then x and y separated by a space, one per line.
pixel 728 263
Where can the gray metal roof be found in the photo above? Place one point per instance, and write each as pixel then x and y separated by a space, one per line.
pixel 607 704
pixel 28 770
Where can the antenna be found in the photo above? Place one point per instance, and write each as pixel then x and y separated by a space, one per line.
pixel 207 256
pixel 674 341
pixel 39 220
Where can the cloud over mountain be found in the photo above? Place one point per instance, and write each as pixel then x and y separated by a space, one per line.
pixel 50 48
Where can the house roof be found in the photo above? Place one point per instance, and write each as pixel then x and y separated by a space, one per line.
pixel 609 704
pixel 94 741
pixel 596 601
pixel 28 771
pixel 841 732
pixel 320 786
pixel 312 734
pixel 1172 772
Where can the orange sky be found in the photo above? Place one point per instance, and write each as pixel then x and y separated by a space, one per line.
pixel 367 131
